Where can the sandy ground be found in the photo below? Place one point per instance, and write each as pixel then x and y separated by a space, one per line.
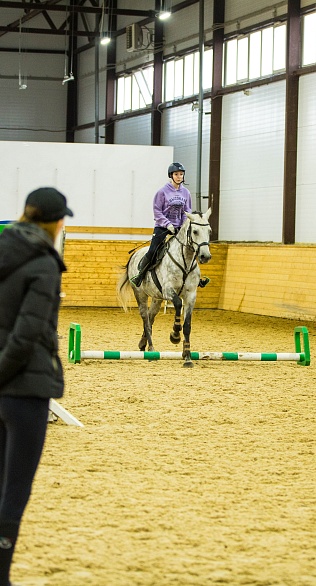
pixel 203 476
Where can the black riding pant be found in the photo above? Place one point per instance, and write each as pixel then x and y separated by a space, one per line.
pixel 23 424
pixel 158 237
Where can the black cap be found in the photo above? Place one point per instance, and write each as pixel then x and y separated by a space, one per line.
pixel 50 204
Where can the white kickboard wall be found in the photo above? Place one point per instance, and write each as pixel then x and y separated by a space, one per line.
pixel 105 185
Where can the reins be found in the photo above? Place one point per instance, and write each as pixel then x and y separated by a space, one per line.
pixel 189 244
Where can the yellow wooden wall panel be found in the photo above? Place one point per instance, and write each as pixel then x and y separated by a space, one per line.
pixel 281 283
pixel 93 268
pixel 268 279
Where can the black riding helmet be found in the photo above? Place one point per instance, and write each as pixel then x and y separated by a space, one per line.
pixel 174 167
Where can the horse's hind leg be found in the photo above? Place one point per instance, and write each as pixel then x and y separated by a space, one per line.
pixel 147 333
pixel 175 337
pixel 143 342
pixel 148 320
pixel 153 310
pixel 142 302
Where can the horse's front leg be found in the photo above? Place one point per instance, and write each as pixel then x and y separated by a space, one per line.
pixel 175 337
pixel 186 354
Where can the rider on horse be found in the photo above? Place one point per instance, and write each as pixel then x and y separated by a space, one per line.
pixel 169 205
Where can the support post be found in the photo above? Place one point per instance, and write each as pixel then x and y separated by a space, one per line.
pixel 74 343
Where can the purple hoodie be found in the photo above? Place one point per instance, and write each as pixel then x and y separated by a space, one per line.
pixel 170 204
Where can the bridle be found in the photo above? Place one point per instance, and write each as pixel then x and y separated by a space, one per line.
pixel 189 244
pixel 190 240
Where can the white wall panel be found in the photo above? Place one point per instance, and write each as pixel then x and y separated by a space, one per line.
pixel 180 129
pixel 104 184
pixel 87 86
pixel 87 135
pixel 86 62
pixel 306 168
pixel 251 189
pixel 136 130
pixel 131 60
pixel 36 113
pixel 182 30
pixel 305 3
pixel 37 65
pixel 86 100
pixel 248 12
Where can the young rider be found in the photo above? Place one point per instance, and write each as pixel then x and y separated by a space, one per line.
pixel 169 205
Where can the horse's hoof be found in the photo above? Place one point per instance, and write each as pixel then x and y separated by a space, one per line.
pixel 188 364
pixel 175 339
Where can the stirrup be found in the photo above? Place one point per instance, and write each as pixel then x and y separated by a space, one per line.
pixel 204 282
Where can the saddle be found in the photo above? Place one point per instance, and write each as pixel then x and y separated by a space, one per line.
pixel 161 251
pixel 158 256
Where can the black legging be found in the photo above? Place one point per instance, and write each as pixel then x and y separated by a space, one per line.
pixel 23 424
pixel 158 237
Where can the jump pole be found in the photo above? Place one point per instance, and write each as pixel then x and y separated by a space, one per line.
pixel 63 414
pixel 302 357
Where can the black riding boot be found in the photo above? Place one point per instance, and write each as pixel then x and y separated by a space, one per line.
pixel 203 282
pixel 142 267
pixel 8 536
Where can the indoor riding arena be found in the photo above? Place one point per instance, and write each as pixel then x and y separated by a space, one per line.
pixel 180 476
pixel 156 474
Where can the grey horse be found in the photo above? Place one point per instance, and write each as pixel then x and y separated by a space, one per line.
pixel 174 278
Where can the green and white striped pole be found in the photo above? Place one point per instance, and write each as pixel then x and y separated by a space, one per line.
pixel 75 355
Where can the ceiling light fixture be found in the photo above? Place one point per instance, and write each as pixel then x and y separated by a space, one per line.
pixel 69 76
pixel 165 9
pixel 22 77
pixel 105 36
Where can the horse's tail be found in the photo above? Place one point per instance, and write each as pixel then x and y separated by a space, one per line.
pixel 124 289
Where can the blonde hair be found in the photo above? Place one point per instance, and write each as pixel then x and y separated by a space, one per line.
pixel 30 216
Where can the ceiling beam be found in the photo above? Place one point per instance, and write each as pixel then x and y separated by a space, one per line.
pixel 49 7
pixel 48 31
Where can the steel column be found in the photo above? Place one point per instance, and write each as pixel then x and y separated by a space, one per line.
pixel 291 120
pixel 216 116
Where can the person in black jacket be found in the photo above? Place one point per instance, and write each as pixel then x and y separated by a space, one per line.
pixel 30 368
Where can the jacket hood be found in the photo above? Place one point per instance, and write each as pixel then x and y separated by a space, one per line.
pixel 170 187
pixel 22 242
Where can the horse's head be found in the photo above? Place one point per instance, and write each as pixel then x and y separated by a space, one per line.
pixel 199 234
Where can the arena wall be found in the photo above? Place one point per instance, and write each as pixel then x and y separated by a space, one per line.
pixel 268 279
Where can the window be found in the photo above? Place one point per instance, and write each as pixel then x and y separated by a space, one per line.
pixel 255 55
pixel 231 62
pixel 169 81
pixel 134 91
pixel 267 51
pixel 242 59
pixel 181 75
pixel 279 47
pixel 309 39
pixel 188 86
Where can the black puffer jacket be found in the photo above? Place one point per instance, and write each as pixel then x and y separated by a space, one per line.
pixel 30 275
